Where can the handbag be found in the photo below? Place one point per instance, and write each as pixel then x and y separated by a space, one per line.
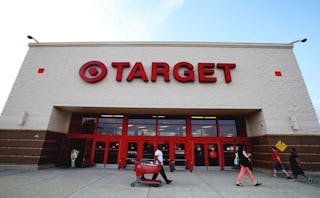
pixel 236 159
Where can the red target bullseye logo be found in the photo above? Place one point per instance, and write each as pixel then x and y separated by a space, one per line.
pixel 93 71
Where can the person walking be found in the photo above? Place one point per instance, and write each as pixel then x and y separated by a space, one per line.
pixel 159 160
pixel 245 166
pixel 277 164
pixel 73 156
pixel 296 165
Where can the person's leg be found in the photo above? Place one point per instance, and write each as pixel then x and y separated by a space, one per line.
pixel 73 163
pixel 155 175
pixel 164 176
pixel 248 171
pixel 274 168
pixel 240 175
pixel 295 176
pixel 250 175
pixel 309 178
pixel 274 173
pixel 286 172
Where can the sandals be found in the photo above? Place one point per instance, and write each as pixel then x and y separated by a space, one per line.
pixel 257 184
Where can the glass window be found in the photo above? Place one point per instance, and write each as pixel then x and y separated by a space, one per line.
pixel 204 127
pixel 110 126
pixel 179 154
pixel 132 152
pixel 142 127
pixel 99 154
pixel 228 150
pixel 172 127
pixel 228 128
pixel 88 125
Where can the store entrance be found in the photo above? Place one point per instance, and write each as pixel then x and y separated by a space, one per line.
pixel 186 141
pixel 149 149
pixel 206 155
pixel 144 150
pixel 106 153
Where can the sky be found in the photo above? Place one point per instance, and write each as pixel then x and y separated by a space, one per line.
pixel 256 21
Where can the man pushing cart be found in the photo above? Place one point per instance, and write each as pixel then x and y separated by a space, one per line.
pixel 142 168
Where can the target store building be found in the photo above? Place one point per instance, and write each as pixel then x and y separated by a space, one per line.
pixel 117 101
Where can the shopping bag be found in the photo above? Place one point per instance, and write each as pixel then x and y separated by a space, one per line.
pixel 236 159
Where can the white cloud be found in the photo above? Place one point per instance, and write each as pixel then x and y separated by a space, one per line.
pixel 73 20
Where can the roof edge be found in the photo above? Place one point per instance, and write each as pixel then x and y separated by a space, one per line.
pixel 161 44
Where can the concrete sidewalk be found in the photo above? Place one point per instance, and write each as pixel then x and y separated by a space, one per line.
pixel 99 182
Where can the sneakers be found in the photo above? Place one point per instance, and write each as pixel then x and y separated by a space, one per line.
pixel 309 179
pixel 168 181
pixel 238 184
pixel 289 177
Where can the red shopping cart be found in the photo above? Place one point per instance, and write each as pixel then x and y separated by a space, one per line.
pixel 146 167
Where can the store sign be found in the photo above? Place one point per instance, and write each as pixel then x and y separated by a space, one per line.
pixel 95 71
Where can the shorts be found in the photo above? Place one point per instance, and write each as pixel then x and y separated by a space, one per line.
pixel 278 166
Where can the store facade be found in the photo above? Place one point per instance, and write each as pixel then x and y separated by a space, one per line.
pixel 117 101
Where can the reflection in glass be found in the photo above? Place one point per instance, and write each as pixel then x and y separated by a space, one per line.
pixel 213 155
pixel 142 127
pixel 229 152
pixel 172 127
pixel 179 155
pixel 228 128
pixel 148 151
pixel 132 152
pixel 113 152
pixel 199 155
pixel 99 154
pixel 203 128
pixel 110 126
pixel 88 125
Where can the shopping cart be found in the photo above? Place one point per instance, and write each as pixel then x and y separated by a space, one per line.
pixel 146 167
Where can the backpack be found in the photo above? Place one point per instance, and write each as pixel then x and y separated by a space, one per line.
pixel 236 159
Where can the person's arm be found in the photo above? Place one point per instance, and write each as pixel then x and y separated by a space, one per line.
pixel 279 160
pixel 298 161
pixel 157 160
pixel 247 155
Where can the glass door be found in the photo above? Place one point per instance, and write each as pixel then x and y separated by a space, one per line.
pixel 148 151
pixel 228 151
pixel 199 159
pixel 99 155
pixel 132 152
pixel 113 151
pixel 179 154
pixel 87 153
pixel 213 155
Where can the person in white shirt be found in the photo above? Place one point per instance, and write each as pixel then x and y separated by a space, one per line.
pixel 159 160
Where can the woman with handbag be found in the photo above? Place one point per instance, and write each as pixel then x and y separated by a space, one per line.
pixel 245 166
